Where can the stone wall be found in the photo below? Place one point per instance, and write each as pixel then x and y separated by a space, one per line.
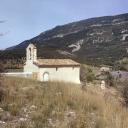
pixel 19 74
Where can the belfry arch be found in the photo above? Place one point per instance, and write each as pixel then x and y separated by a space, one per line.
pixel 31 52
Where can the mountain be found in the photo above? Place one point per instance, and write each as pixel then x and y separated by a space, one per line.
pixel 100 40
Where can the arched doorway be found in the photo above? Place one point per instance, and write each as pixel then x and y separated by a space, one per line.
pixel 46 76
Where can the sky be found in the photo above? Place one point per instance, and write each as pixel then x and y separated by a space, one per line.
pixel 24 19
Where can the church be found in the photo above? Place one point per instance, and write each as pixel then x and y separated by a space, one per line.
pixel 63 70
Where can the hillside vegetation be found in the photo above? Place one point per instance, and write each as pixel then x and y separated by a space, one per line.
pixel 32 104
pixel 100 40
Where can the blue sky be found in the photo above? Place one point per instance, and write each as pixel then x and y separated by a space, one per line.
pixel 24 19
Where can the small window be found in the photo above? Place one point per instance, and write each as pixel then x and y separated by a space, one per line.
pixel 56 68
pixel 46 77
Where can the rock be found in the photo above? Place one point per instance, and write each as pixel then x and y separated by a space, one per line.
pixel 33 107
pixel 1 110
pixel 2 122
pixel 22 119
pixel 27 116
pixel 70 115
pixel 102 85
pixel 6 116
pixel 59 93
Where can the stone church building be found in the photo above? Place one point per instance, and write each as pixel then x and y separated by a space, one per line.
pixel 65 70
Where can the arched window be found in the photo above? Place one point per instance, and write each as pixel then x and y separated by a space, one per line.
pixel 46 76
pixel 30 54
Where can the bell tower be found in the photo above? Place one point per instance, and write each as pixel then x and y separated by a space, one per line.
pixel 31 53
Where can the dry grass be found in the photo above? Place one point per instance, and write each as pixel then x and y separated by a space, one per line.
pixel 61 105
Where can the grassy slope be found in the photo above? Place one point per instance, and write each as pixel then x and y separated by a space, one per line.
pixel 60 105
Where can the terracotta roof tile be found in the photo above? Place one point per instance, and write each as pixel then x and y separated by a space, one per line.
pixel 56 62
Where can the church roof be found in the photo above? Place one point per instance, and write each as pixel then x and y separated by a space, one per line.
pixel 55 62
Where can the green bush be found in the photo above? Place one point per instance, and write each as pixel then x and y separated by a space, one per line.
pixel 86 74
pixel 90 75
pixel 122 65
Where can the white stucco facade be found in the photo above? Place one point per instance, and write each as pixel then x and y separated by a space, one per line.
pixel 66 74
pixel 56 72
pixel 30 67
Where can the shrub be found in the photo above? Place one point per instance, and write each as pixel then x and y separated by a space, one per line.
pixel 83 74
pixel 125 92
pixel 90 75
pixel 122 65
pixel 86 74
pixel 2 90
pixel 1 67
pixel 109 79
pixel 2 93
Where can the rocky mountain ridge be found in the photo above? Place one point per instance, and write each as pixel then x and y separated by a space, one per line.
pixel 101 40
